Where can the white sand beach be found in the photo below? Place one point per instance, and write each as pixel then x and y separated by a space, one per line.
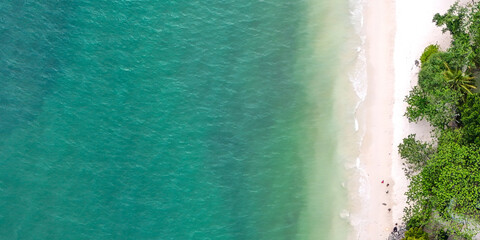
pixel 376 116
pixel 396 34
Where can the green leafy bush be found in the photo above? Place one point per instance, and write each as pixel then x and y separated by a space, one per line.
pixel 433 99
pixel 441 235
pixel 449 182
pixel 415 153
pixel 431 49
pixel 470 119
pixel 416 234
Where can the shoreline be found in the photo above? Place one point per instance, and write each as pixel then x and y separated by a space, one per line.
pixel 397 32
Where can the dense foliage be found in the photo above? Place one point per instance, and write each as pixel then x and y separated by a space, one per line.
pixel 433 99
pixel 416 154
pixel 470 118
pixel 449 182
pixel 445 173
pixel 415 234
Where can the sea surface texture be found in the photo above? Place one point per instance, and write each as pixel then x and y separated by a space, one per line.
pixel 170 119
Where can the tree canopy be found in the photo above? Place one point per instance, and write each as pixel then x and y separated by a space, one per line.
pixel 470 119
pixel 445 173
pixel 433 99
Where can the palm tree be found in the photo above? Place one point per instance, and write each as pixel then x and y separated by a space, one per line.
pixel 458 80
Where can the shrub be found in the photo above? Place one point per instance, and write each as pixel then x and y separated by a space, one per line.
pixel 442 235
pixel 431 49
pixel 416 234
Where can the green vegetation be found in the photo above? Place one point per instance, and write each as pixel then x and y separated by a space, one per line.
pixel 433 99
pixel 459 80
pixel 442 235
pixel 470 114
pixel 415 233
pixel 444 174
pixel 431 49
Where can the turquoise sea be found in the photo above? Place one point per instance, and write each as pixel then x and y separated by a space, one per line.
pixel 172 119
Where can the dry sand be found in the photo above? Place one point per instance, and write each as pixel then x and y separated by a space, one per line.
pixel 376 114
pixel 396 34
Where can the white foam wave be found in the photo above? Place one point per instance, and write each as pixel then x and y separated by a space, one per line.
pixel 358 79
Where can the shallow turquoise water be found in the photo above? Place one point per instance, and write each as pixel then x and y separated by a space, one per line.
pixel 168 120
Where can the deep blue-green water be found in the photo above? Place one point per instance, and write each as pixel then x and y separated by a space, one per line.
pixel 169 119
